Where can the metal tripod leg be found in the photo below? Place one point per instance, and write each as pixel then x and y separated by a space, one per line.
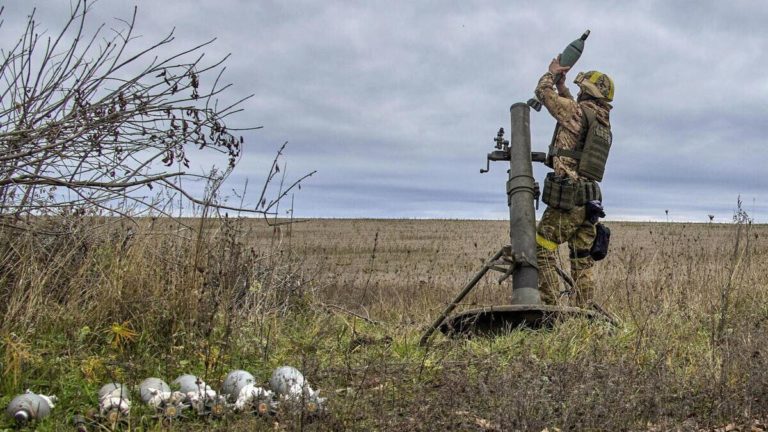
pixel 460 297
pixel 566 277
pixel 594 306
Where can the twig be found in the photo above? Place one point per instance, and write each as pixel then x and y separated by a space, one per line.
pixel 332 307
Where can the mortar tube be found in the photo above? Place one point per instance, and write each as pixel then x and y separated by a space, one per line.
pixel 522 216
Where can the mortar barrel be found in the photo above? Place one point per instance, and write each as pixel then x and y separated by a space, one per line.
pixel 522 216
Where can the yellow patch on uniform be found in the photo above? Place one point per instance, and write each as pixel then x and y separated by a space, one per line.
pixel 546 244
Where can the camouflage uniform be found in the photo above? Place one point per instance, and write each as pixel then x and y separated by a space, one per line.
pixel 559 226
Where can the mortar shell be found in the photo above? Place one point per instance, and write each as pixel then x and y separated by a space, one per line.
pixel 152 384
pixel 188 383
pixel 235 381
pixel 114 390
pixel 28 407
pixel 286 380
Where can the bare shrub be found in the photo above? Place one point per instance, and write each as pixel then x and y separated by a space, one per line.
pixel 92 123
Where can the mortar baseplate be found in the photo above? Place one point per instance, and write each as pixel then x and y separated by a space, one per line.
pixel 494 320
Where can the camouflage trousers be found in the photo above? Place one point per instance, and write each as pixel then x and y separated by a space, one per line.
pixel 555 228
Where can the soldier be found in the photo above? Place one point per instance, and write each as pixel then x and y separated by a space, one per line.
pixel 573 184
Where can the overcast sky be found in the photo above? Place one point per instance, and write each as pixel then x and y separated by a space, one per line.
pixel 395 104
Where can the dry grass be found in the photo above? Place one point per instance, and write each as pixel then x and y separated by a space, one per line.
pixel 408 270
pixel 101 304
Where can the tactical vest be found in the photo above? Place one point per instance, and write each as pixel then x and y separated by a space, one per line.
pixel 592 149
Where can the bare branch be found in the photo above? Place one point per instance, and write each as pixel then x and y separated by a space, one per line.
pixel 85 124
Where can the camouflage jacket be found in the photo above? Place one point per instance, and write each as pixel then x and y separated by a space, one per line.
pixel 569 116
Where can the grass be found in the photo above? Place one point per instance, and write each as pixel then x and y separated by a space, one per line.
pixel 346 301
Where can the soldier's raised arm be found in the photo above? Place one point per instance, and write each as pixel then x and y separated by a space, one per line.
pixel 560 103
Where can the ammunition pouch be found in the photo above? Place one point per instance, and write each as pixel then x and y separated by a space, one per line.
pixel 586 191
pixel 559 192
pixel 599 248
pixel 564 193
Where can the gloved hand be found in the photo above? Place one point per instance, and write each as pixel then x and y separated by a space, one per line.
pixel 595 211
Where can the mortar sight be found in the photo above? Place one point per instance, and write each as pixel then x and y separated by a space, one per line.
pixel 501 154
pixel 501 143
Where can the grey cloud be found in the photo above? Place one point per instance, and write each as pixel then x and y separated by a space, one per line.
pixel 395 104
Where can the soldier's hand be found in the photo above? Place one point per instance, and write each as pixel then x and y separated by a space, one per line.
pixel 561 80
pixel 555 68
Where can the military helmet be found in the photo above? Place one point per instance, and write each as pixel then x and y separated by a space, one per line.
pixel 596 84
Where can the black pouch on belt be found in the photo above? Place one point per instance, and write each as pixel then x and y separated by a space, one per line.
pixel 599 248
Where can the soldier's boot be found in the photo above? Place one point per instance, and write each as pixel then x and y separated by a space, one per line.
pixel 550 284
